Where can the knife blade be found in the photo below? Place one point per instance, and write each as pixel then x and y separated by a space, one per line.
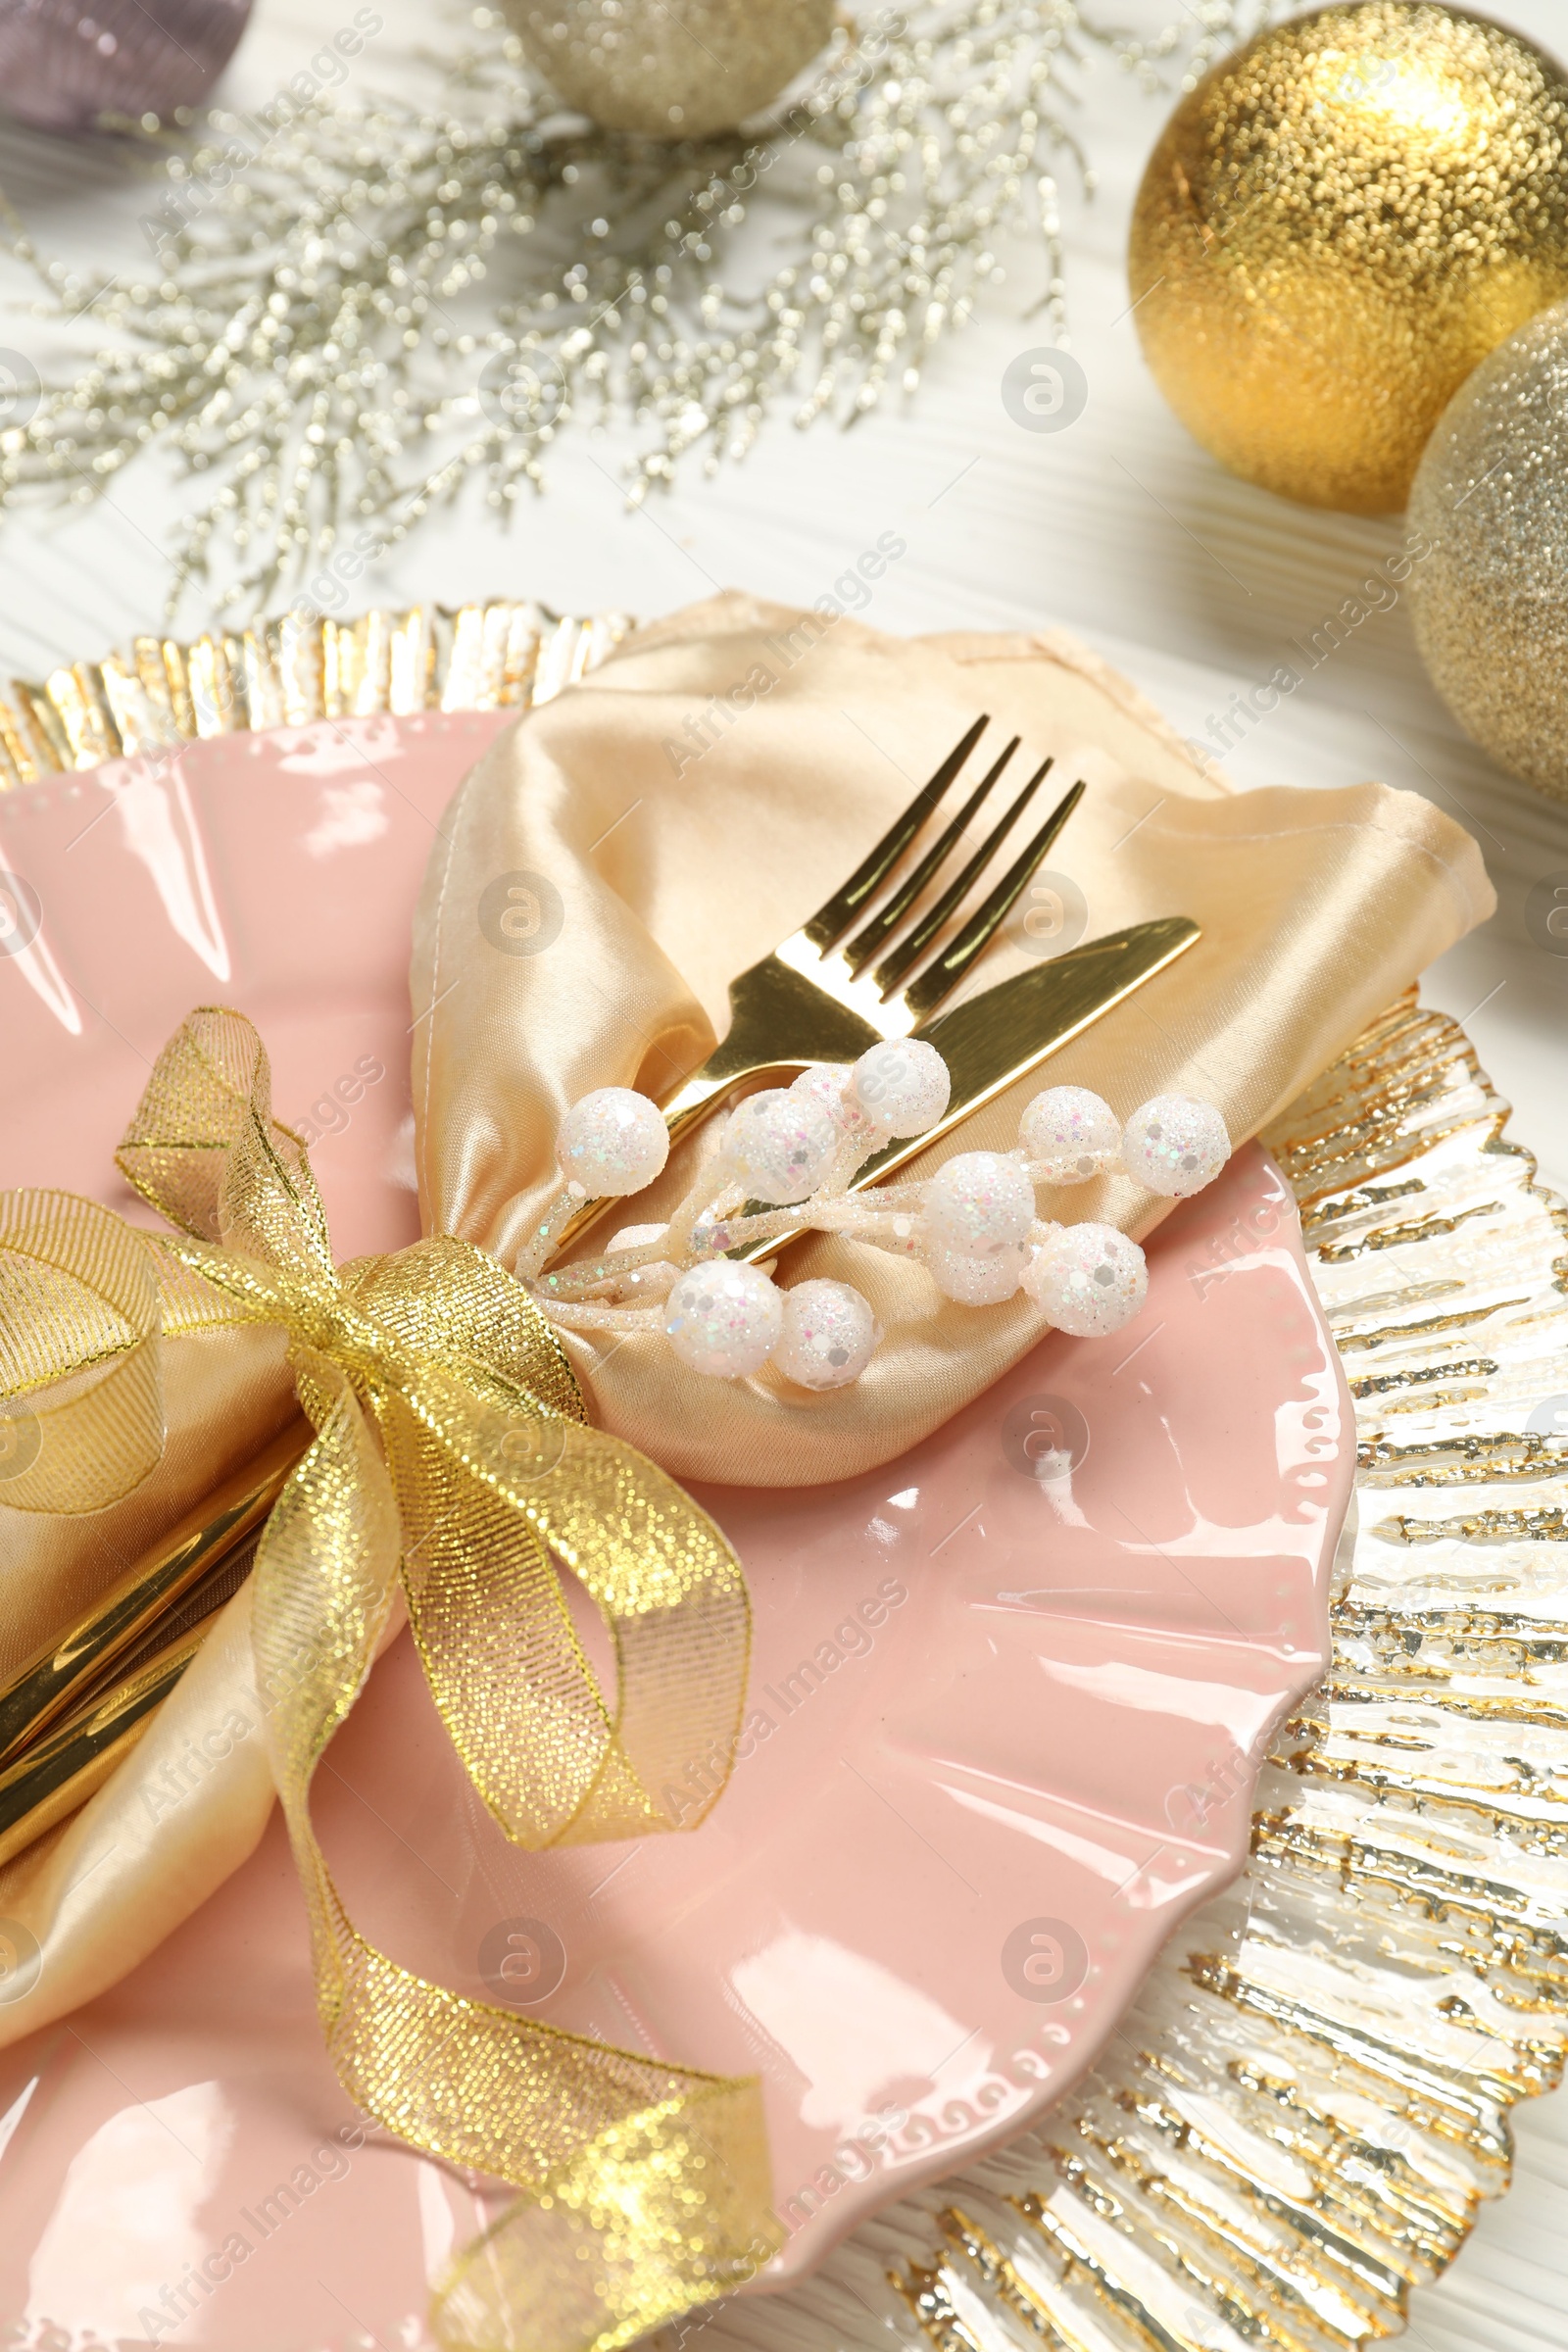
pixel 991 1040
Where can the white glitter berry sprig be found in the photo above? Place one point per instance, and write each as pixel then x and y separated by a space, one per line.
pixel 784 1162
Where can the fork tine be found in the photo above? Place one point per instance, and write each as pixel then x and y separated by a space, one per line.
pixel 840 911
pixel 922 995
pixel 887 919
pixel 908 954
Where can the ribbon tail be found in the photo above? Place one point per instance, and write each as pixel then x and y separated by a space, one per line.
pixel 659 2214
pixel 660 2170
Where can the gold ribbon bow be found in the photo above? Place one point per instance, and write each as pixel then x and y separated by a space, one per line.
pixel 450 1448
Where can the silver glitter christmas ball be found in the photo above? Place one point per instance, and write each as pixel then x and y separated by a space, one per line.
pixel 669 72
pixel 1073 1130
pixel 978 1281
pixel 1489 588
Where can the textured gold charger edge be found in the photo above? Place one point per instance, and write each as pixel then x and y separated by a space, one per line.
pixel 1307 2106
pixel 1300 2116
pixel 504 655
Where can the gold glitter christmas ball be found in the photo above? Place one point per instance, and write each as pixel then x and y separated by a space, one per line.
pixel 1491 600
pixel 1337 224
pixel 672 72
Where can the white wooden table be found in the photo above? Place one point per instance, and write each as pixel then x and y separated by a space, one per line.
pixel 1119 528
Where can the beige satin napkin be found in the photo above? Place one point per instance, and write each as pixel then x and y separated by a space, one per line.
pixel 663 867
pixel 684 809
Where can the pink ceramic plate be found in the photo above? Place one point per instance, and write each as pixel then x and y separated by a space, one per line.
pixel 1006 1700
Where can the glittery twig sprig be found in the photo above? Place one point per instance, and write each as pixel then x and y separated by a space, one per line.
pixel 345 327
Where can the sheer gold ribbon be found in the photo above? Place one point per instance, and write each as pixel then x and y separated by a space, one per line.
pixel 450 1448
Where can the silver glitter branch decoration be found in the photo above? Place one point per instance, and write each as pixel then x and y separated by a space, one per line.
pixel 347 324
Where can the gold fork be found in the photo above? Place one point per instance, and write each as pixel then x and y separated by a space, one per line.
pixel 820 998
pixel 824 996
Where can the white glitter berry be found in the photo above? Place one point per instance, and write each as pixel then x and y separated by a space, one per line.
pixel 1073 1129
pixel 782 1144
pixel 1087 1280
pixel 1175 1145
pixel 828 1336
pixel 613 1142
pixel 723 1319
pixel 979 1203
pixel 825 1084
pixel 903 1087
pixel 979 1281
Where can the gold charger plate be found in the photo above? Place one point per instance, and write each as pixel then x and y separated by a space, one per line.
pixel 1310 2098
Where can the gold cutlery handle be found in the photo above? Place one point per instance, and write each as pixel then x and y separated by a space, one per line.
pixel 54 1678
pixel 60 1771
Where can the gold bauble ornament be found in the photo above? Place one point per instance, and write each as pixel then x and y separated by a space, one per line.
pixel 1337 224
pixel 1491 600
pixel 670 72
